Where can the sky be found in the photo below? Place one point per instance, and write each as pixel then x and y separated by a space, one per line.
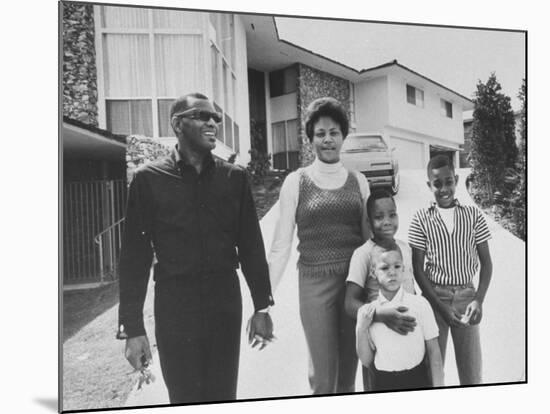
pixel 456 58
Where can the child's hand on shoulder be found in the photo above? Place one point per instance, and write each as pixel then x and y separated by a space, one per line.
pixel 473 313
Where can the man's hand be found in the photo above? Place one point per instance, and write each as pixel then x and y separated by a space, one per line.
pixel 474 312
pixel 451 315
pixel 138 352
pixel 260 329
pixel 396 318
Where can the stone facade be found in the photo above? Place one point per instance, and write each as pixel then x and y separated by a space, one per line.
pixel 140 150
pixel 313 84
pixel 79 65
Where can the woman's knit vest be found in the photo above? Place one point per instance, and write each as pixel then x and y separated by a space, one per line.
pixel 329 226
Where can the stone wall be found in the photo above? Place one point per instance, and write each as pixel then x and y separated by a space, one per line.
pixel 313 84
pixel 79 68
pixel 140 150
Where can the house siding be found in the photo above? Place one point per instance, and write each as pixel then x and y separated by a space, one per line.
pixel 313 84
pixel 426 120
pixel 79 64
pixel 371 103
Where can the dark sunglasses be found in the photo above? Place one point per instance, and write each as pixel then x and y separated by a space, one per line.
pixel 200 114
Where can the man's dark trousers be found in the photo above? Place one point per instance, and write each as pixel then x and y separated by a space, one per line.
pixel 198 330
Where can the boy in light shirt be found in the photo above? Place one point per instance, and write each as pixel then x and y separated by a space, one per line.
pixel 397 361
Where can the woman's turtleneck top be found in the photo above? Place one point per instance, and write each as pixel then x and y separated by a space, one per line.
pixel 325 176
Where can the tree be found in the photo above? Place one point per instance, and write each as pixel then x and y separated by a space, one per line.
pixel 522 148
pixel 494 148
pixel 518 202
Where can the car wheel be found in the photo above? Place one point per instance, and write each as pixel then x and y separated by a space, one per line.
pixel 395 184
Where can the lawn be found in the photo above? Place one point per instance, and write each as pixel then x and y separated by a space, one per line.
pixel 95 373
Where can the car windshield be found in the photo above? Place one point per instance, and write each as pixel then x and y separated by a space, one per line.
pixel 364 143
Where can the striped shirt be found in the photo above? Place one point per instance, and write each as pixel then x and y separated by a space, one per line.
pixel 451 258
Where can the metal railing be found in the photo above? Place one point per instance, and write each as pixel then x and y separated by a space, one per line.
pixel 89 209
pixel 109 243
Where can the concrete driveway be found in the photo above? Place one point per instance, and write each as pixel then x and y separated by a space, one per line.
pixel 281 368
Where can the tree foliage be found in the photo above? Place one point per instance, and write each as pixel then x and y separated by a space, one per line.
pixel 260 160
pixel 519 195
pixel 494 148
pixel 522 147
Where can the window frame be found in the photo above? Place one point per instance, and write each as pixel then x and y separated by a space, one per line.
pixel 446 108
pixel 287 150
pixel 227 81
pixel 278 81
pixel 419 103
pixel 152 32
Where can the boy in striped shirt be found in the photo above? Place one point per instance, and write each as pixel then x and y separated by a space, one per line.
pixel 449 245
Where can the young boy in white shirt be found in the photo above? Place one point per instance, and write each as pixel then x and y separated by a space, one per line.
pixel 397 360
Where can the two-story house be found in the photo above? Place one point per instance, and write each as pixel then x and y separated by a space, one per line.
pixel 145 58
pixel 123 67
pixel 420 116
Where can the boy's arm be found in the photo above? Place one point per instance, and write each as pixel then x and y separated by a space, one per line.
pixel 449 314
pixel 394 317
pixel 436 362
pixel 355 298
pixel 474 311
pixel 362 342
pixel 365 192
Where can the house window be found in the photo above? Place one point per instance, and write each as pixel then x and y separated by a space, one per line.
pixel 446 108
pixel 284 81
pixel 415 96
pixel 149 58
pixel 165 126
pixel 129 115
pixel 286 147
pixel 224 78
pixel 224 34
pixel 236 139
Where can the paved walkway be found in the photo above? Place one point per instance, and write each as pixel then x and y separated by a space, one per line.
pixel 281 368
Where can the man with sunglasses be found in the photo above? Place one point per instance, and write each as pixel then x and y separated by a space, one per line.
pixel 196 215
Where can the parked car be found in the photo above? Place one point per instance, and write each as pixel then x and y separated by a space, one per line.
pixel 370 154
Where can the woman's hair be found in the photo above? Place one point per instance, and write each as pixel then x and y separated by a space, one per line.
pixel 329 107
pixel 377 194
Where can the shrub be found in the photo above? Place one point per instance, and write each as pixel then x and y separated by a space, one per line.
pixel 259 165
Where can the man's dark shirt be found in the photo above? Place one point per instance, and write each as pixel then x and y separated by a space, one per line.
pixel 195 224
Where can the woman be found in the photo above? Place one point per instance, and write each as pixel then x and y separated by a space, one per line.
pixel 327 205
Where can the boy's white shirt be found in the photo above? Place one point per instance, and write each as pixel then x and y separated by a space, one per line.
pixel 448 217
pixel 325 176
pixel 402 352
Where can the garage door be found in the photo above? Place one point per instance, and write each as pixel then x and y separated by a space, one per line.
pixel 410 154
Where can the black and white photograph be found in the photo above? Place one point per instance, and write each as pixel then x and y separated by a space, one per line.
pixel 258 205
pixel 330 201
